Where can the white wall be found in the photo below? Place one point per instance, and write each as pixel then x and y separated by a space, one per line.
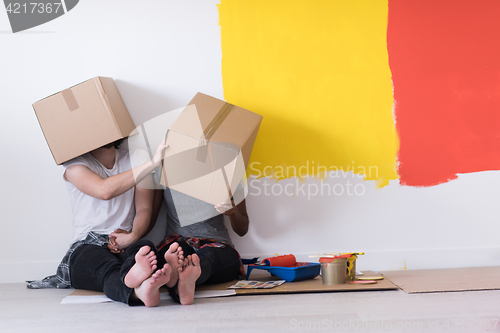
pixel 161 53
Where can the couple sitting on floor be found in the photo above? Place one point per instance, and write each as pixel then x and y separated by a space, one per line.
pixel 114 205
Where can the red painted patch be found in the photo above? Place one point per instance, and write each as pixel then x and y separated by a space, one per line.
pixel 445 61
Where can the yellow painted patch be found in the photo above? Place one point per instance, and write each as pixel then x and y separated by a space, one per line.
pixel 318 71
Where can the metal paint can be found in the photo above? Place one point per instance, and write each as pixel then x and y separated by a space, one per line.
pixel 333 270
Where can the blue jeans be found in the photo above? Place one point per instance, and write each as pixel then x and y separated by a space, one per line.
pixel 95 268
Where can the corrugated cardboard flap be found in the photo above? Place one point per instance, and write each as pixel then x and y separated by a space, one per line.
pixel 207 140
pixel 82 118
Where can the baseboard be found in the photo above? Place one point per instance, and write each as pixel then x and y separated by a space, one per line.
pixel 20 271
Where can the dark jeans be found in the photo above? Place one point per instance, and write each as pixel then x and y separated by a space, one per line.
pixel 95 268
pixel 218 264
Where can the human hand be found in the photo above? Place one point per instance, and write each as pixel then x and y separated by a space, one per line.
pixel 226 208
pixel 158 157
pixel 120 240
pixel 113 248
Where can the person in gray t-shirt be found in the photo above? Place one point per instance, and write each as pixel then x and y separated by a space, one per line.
pixel 207 237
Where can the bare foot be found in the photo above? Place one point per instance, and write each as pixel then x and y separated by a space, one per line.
pixel 149 290
pixel 175 258
pixel 187 279
pixel 145 264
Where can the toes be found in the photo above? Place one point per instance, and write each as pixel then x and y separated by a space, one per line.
pixel 156 274
pixel 173 247
pixel 183 265
pixel 180 254
pixel 195 260
pixel 144 250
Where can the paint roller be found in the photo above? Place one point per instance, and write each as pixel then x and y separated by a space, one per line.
pixel 287 260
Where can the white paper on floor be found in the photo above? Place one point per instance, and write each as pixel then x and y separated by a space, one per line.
pixel 163 296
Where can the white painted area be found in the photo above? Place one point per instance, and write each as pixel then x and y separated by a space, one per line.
pixel 161 53
pixel 450 225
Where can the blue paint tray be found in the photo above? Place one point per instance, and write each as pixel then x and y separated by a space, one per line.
pixel 301 271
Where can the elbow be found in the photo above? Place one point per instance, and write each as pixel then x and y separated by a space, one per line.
pixel 106 197
pixel 105 194
pixel 107 191
pixel 243 231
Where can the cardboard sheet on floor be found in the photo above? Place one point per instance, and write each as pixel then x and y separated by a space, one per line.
pixel 218 290
pixel 438 280
pixel 305 286
pixel 86 296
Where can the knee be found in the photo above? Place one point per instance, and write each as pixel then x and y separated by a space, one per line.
pixel 144 242
pixel 186 248
pixel 139 244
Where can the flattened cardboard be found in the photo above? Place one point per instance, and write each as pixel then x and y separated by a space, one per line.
pixel 80 296
pixel 440 280
pixel 82 118
pixel 305 286
pixel 210 144
pixel 83 292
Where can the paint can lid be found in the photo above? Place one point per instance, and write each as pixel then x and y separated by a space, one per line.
pixel 363 278
pixel 363 282
pixel 328 260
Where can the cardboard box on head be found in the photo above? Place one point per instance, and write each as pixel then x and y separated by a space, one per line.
pixel 210 144
pixel 82 118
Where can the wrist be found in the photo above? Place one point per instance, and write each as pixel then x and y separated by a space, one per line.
pixel 136 234
pixel 154 164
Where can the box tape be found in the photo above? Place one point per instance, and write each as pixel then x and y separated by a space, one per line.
pixel 70 99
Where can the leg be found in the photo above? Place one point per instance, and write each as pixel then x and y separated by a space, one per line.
pixel 174 257
pixel 188 274
pixel 165 256
pixel 96 268
pixel 137 272
pixel 218 265
pixel 149 290
pixel 186 250
pixel 139 262
pixel 174 254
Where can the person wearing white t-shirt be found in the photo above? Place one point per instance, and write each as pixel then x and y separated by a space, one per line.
pixel 110 215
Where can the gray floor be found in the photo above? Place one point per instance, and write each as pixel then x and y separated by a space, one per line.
pixel 24 310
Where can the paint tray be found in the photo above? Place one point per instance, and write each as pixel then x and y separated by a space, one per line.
pixel 301 271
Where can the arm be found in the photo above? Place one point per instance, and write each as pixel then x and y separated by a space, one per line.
pixel 92 184
pixel 120 239
pixel 158 200
pixel 238 216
